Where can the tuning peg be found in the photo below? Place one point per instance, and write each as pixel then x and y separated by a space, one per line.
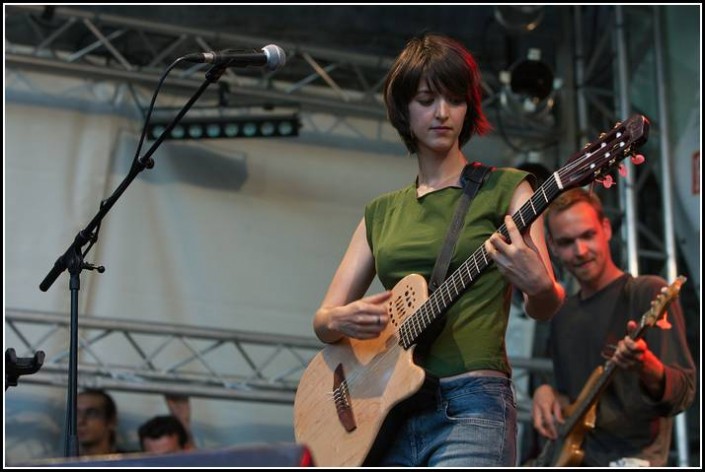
pixel 607 182
pixel 663 323
pixel 638 159
pixel 622 170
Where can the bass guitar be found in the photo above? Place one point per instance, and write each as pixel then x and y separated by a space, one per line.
pixel 566 449
pixel 349 391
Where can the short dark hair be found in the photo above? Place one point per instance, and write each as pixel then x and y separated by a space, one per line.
pixel 110 408
pixel 449 68
pixel 108 404
pixel 572 197
pixel 164 425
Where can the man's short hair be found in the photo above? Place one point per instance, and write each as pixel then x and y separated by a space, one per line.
pixel 165 425
pixel 570 198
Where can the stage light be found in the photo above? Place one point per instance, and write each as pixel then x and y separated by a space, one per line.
pixel 285 128
pixel 213 130
pixel 157 130
pixel 178 132
pixel 519 19
pixel 245 126
pixel 267 128
pixel 195 131
pixel 529 85
pixel 230 130
pixel 249 129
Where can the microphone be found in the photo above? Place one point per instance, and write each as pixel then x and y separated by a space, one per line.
pixel 272 57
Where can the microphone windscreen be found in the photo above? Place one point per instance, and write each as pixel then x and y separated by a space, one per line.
pixel 276 57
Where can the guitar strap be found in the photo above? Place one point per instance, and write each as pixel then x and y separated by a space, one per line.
pixel 472 178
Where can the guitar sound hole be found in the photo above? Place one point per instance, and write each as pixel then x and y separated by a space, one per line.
pixel 392 318
pixel 400 305
pixel 410 296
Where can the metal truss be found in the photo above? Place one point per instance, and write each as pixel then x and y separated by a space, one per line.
pixel 135 53
pixel 647 226
pixel 602 100
pixel 138 51
pixel 178 359
pixel 165 358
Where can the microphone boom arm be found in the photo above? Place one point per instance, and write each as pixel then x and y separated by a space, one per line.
pixel 83 236
pixel 72 260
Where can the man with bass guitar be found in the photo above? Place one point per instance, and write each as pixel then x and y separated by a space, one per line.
pixel 654 373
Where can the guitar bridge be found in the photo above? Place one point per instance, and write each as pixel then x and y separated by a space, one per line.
pixel 341 396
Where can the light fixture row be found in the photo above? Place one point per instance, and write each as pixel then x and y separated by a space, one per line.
pixel 220 128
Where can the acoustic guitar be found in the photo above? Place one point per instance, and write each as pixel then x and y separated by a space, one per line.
pixel 566 450
pixel 350 391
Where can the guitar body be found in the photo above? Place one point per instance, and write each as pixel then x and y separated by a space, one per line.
pixel 581 415
pixel 341 426
pixel 566 451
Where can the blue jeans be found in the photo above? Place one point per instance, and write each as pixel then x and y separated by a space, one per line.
pixel 473 423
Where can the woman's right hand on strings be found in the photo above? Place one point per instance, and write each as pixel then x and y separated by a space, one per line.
pixel 365 318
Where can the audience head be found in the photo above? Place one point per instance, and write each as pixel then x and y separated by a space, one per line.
pixel 162 434
pixel 96 422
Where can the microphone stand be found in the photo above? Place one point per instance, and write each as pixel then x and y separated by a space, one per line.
pixel 73 258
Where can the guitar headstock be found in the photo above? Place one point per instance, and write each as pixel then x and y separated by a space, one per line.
pixel 657 313
pixel 595 160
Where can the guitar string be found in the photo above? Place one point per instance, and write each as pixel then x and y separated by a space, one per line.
pixel 415 324
pixel 411 328
pixel 410 331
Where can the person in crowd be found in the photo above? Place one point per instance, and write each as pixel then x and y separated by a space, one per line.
pixel 96 423
pixel 163 434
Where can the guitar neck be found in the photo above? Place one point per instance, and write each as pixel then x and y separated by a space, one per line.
pixel 583 167
pixel 595 390
pixel 470 270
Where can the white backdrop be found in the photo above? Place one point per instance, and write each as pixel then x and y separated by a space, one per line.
pixel 237 234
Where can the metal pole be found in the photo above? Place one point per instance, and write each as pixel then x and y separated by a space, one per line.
pixel 626 190
pixel 580 74
pixel 680 424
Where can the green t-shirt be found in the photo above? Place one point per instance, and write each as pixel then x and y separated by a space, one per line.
pixel 406 233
